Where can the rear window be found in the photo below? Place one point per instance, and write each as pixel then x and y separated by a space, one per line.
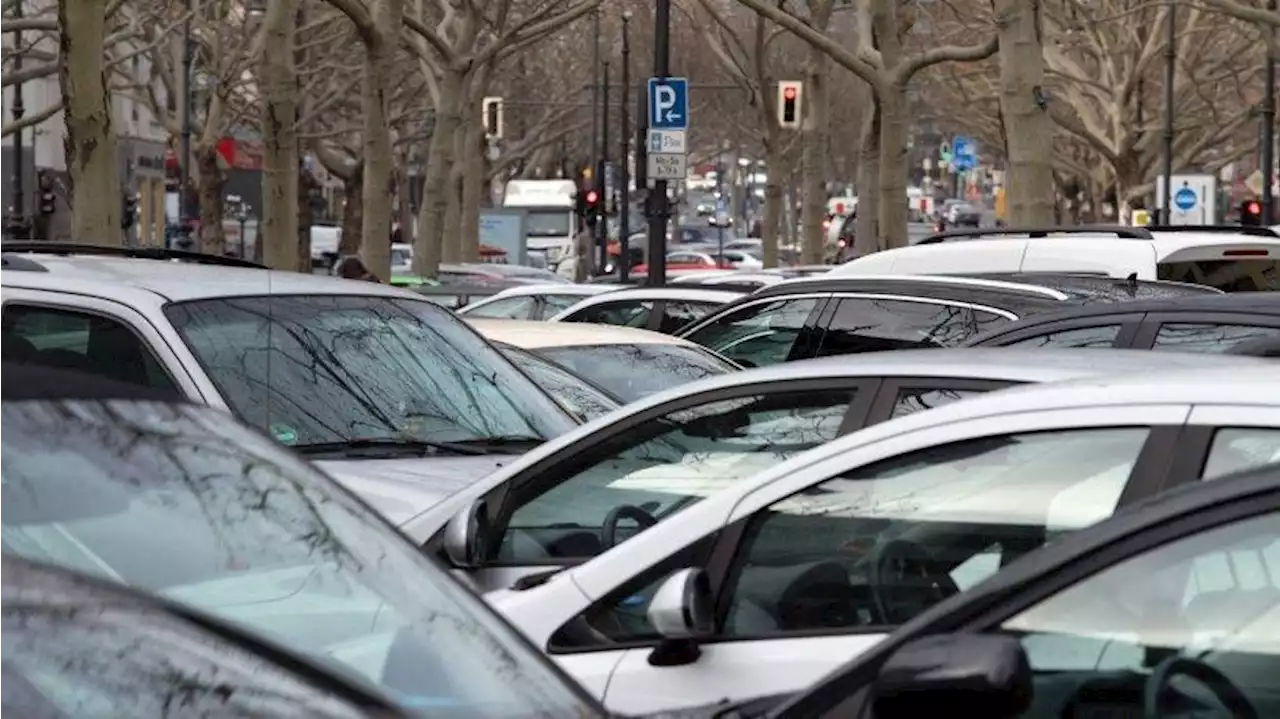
pixel 1234 275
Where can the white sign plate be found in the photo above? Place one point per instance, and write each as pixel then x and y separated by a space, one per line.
pixel 667 141
pixel 668 166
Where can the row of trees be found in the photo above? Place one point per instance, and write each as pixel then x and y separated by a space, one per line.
pixel 1066 94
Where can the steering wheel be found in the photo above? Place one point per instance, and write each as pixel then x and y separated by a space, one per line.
pixel 904 581
pixel 1208 676
pixel 609 530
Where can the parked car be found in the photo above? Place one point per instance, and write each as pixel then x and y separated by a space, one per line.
pixel 532 302
pixel 629 363
pixel 814 561
pixel 661 309
pixel 579 396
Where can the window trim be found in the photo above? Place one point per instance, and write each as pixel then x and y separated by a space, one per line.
pixel 1145 337
pixel 810 322
pixel 550 472
pixel 1129 322
pixel 833 306
pixel 882 410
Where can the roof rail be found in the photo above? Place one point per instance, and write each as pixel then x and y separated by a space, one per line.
pixel 1250 230
pixel 981 233
pixel 142 253
pixel 21 264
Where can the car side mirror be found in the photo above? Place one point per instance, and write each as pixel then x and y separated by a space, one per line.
pixel 681 612
pixel 465 534
pixel 987 674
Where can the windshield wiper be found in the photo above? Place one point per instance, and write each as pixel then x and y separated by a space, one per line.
pixel 503 444
pixel 380 447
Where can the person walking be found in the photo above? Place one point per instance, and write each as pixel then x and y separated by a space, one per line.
pixel 353 268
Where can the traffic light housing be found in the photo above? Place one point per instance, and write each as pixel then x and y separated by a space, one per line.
pixel 591 204
pixel 1251 213
pixel 47 201
pixel 789 97
pixel 128 210
pixel 492 117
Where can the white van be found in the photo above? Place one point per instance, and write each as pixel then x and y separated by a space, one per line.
pixel 1229 258
pixel 550 224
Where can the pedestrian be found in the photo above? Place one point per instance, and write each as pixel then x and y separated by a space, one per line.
pixel 353 268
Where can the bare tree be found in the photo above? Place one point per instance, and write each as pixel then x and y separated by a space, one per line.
pixel 278 235
pixel 1024 110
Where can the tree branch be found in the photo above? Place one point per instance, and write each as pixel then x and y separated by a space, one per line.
pixel 31 120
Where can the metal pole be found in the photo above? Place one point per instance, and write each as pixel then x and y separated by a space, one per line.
pixel 1170 71
pixel 1269 128
pixel 602 223
pixel 720 201
pixel 658 208
pixel 624 156
pixel 17 225
pixel 184 162
pixel 595 110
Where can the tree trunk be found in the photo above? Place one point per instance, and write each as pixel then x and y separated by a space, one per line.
pixel 352 212
pixel 404 210
pixel 429 244
pixel 893 168
pixel 813 193
pixel 453 195
pixel 90 142
pixel 306 218
pixel 379 164
pixel 278 231
pixel 1029 129
pixel 866 236
pixel 769 228
pixel 213 239
pixel 473 190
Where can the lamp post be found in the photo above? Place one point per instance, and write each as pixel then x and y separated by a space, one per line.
pixel 595 105
pixel 624 157
pixel 16 227
pixel 184 162
pixel 1170 72
pixel 659 209
pixel 1269 128
pixel 602 219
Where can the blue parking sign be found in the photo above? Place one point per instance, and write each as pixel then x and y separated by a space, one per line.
pixel 668 103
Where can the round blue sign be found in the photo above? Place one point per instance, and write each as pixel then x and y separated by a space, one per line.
pixel 1184 199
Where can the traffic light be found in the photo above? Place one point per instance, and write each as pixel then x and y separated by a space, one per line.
pixel 591 203
pixel 492 117
pixel 789 95
pixel 128 210
pixel 48 201
pixel 1251 213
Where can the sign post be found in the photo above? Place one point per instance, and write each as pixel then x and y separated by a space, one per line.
pixel 1193 199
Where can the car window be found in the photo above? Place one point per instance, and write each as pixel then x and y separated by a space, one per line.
pixel 760 335
pixel 676 314
pixel 865 325
pixel 624 313
pixel 514 308
pixel 314 369
pixel 663 466
pixel 1207 605
pixel 633 371
pixel 577 396
pixel 883 543
pixel 1100 336
pixel 916 399
pixel 1237 449
pixel 88 343
pixel 1207 337
pixel 560 303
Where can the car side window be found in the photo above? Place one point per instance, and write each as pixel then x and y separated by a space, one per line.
pixel 623 313
pixel 662 466
pixel 1207 337
pixel 867 325
pixel 1235 449
pixel 1206 606
pixel 883 543
pixel 560 303
pixel 1100 336
pixel 760 335
pixel 82 342
pixel 917 399
pixel 676 314
pixel 513 308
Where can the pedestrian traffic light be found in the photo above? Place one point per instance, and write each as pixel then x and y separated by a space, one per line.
pixel 1251 213
pixel 492 117
pixel 128 210
pixel 789 94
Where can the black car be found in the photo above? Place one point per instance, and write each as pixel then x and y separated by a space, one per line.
pixel 1169 609
pixel 1190 323
pixel 822 316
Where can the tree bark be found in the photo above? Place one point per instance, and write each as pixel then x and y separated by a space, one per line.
pixel 772 224
pixel 1029 128
pixel 306 218
pixel 353 212
pixel 90 142
pixel 453 206
pixel 866 236
pixel 379 184
pixel 210 178
pixel 429 244
pixel 278 232
pixel 473 190
pixel 813 196
pixel 404 211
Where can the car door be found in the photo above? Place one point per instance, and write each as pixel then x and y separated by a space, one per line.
pixel 763 332
pixel 1214 332
pixel 1111 330
pixel 806 571
pixel 873 323
pixel 1222 439
pixel 577 503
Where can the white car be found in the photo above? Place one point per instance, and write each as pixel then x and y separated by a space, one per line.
pixel 389 393
pixel 1232 260
pixel 533 302
pixel 627 363
pixel 662 309
pixel 767 584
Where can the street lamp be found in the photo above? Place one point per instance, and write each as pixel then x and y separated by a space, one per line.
pixel 16 227
pixel 1170 71
pixel 624 156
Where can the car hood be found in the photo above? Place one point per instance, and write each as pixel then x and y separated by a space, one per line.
pixel 401 488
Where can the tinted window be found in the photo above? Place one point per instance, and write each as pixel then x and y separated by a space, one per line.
pixel 1102 336
pixel 676 314
pixel 1237 449
pixel 578 396
pixel 865 325
pixel 1207 602
pixel 624 313
pixel 760 335
pixel 1206 337
pixel 327 368
pixel 83 342
pixel 911 400
pixel 515 308
pixel 1229 276
pixel 634 371
pixel 665 465
pixel 883 543
pixel 183 502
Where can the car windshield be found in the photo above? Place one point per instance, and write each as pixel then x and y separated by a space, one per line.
pixel 632 371
pixel 577 395
pixel 316 369
pixel 548 223
pixel 181 501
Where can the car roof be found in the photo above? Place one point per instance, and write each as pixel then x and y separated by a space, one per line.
pixel 553 289
pixel 666 292
pixel 530 334
pixel 1078 284
pixel 923 281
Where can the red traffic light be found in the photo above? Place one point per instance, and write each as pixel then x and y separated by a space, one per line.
pixel 1253 208
pixel 592 196
pixel 789 93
